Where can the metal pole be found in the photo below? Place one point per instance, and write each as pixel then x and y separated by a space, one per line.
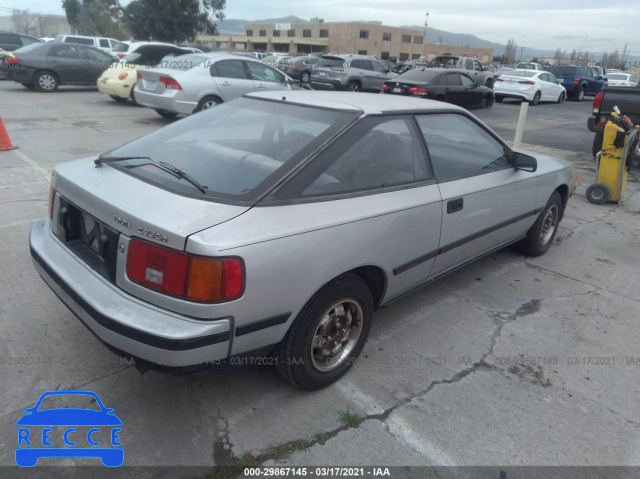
pixel 524 108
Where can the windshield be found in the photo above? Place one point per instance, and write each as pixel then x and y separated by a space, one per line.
pixel 236 151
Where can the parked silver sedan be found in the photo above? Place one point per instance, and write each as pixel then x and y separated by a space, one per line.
pixel 279 222
pixel 190 83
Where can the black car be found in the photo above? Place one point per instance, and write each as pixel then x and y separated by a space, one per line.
pixel 45 66
pixel 299 68
pixel 448 85
pixel 12 41
pixel 579 80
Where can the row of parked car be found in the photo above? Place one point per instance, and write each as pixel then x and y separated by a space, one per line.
pixel 187 80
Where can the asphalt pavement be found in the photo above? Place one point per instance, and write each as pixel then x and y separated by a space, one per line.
pixel 509 362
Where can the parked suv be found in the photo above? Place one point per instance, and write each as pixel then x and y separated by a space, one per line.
pixel 578 81
pixel 349 72
pixel 299 68
pixel 12 41
pixel 103 43
pixel 473 68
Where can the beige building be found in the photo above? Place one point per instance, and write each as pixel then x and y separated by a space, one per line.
pixel 374 39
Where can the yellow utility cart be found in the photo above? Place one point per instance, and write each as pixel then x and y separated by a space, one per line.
pixel 619 143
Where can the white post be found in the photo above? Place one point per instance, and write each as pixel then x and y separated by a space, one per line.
pixel 524 108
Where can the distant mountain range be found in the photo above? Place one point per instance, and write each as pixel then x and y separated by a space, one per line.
pixel 236 27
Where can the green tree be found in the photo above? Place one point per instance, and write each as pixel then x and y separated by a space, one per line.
pixel 173 20
pixel 95 17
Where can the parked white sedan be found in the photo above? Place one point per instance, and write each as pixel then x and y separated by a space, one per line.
pixel 622 79
pixel 529 85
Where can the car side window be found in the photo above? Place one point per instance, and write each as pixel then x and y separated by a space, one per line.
pixel 459 147
pixel 28 41
pixel 367 65
pixel 467 81
pixel 453 79
pixel 10 39
pixel 477 65
pixel 64 51
pixel 229 69
pixel 262 72
pixel 95 55
pixel 379 67
pixel 469 64
pixel 104 42
pixel 377 153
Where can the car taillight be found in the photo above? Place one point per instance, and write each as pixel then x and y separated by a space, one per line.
pixel 139 76
pixel 337 69
pixel 576 80
pixel 385 87
pixel 417 91
pixel 121 55
pixel 527 82
pixel 194 278
pixel 52 197
pixel 597 102
pixel 499 79
pixel 122 76
pixel 12 60
pixel 170 83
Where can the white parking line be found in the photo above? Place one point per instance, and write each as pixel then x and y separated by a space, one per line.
pixel 33 164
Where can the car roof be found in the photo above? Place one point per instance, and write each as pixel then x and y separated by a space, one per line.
pixel 368 103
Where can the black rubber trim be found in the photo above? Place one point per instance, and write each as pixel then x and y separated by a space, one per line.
pixel 128 331
pixel 479 234
pixel 262 324
pixel 407 266
pixel 415 262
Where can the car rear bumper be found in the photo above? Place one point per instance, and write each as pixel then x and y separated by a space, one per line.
pixel 115 87
pixel 162 102
pixel 120 320
pixel 517 96
pixel 326 84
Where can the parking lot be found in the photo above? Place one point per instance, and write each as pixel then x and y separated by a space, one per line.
pixel 509 362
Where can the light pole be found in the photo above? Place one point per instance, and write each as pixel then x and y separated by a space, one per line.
pixel 426 23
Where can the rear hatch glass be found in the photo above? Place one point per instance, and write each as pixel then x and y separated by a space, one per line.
pixel 328 62
pixel 561 71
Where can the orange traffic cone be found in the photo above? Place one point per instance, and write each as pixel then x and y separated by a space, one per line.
pixel 5 142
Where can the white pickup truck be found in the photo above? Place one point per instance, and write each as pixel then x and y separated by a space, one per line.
pixel 473 66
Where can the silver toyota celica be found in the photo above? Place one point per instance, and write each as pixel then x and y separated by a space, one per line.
pixel 279 222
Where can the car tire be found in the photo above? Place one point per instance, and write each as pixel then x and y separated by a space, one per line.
pixel 579 95
pixel 304 77
pixel 536 98
pixel 208 102
pixel 340 312
pixel 597 143
pixel 118 98
pixel 598 193
pixel 354 86
pixel 499 98
pixel 166 114
pixel 46 81
pixel 29 86
pixel 541 234
pixel 487 101
pixel 562 97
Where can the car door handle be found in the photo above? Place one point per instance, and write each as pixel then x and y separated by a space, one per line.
pixel 454 206
pixel 225 83
pixel 260 86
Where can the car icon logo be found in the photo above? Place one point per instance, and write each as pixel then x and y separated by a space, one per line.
pixel 69 432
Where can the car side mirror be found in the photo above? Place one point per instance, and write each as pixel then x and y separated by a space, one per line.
pixel 524 162
pixel 477 84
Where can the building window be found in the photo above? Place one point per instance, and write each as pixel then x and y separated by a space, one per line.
pixel 415 56
pixel 276 33
pixel 263 33
pixel 306 33
pixel 403 57
pixel 384 56
pixel 417 39
pixel 364 33
pixel 406 38
pixel 386 37
pixel 249 33
pixel 324 33
pixel 362 52
pixel 291 33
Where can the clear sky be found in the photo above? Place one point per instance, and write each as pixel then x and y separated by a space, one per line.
pixel 593 25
